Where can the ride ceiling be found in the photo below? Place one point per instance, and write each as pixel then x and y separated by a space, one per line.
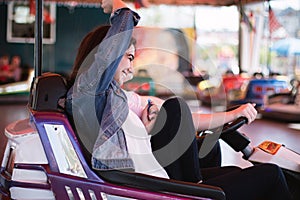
pixel 169 2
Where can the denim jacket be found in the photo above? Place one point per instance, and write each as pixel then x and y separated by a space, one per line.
pixel 96 102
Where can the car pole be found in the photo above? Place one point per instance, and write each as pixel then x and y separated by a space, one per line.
pixel 38 45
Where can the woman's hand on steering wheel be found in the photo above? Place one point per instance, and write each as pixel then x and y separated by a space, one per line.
pixel 246 110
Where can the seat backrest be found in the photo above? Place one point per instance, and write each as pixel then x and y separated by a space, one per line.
pixel 46 91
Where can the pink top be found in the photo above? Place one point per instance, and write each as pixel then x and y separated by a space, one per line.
pixel 134 103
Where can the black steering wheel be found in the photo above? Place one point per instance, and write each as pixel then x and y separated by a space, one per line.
pixel 236 140
pixel 227 128
pixel 229 133
pixel 234 125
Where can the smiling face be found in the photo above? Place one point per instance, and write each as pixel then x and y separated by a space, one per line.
pixel 125 69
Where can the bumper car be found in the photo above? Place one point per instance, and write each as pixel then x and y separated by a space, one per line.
pixel 256 89
pixel 17 92
pixel 45 159
pixel 284 106
pixel 211 92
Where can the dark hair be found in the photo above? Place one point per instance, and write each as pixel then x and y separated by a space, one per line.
pixel 89 42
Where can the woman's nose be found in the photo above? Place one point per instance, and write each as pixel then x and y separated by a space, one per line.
pixel 131 69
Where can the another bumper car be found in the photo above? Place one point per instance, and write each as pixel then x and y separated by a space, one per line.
pixel 284 106
pixel 256 90
pixel 215 92
pixel 17 92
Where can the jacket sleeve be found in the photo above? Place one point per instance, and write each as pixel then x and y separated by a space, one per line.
pixel 109 53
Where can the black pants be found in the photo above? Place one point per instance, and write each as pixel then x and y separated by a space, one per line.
pixel 213 158
pixel 175 147
pixel 173 141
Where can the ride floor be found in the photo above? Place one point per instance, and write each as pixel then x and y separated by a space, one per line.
pixel 259 131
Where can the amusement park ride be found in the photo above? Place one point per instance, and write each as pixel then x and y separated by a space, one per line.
pixel 44 157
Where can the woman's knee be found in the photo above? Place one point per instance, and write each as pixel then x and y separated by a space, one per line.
pixel 273 171
pixel 272 168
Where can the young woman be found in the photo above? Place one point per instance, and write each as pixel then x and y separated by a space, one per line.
pixel 121 129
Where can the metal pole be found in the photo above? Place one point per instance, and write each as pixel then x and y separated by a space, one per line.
pixel 240 38
pixel 38 45
pixel 269 58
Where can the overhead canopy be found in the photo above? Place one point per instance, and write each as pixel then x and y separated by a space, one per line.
pixel 204 2
pixel 175 2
